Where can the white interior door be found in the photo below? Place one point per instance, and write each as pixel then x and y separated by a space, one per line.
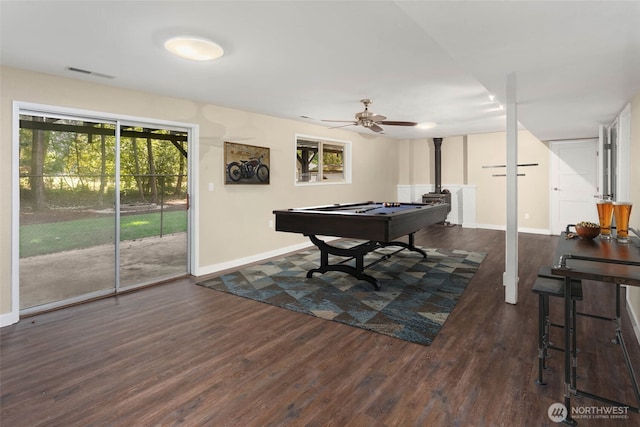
pixel 574 183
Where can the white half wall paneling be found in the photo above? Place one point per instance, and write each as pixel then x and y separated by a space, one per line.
pixel 469 202
pixel 412 193
pixel 463 201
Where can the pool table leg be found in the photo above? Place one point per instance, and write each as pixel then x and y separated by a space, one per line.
pixel 411 246
pixel 357 252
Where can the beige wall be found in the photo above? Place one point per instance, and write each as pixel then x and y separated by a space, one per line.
pixel 379 165
pixel 224 214
pixel 417 159
pixel 463 158
pixel 454 160
pixel 533 188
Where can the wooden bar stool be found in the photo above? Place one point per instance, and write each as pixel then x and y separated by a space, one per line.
pixel 548 285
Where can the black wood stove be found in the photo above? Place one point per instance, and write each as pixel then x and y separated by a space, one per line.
pixel 439 195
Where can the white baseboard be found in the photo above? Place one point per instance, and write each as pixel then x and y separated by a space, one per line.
pixel 235 263
pixel 544 231
pixel 7 319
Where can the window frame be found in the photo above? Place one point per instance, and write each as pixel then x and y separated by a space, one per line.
pixel 346 159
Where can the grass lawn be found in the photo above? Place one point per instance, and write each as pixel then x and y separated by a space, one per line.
pixel 41 239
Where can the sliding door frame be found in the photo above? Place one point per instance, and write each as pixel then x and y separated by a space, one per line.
pixel 20 107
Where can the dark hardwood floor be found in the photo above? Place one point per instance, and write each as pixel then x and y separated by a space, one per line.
pixel 182 354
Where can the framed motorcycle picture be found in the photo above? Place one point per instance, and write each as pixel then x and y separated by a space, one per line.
pixel 245 164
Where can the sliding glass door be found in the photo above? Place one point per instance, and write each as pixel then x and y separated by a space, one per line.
pixel 152 205
pixel 67 232
pixel 103 207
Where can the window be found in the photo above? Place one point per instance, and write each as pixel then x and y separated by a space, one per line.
pixel 322 161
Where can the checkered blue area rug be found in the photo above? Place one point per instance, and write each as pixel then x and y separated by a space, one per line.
pixel 416 295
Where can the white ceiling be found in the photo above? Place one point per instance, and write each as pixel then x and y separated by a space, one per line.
pixel 576 63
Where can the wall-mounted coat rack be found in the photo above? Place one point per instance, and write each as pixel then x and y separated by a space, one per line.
pixel 504 166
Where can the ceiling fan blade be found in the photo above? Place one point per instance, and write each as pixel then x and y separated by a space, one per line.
pixel 343 126
pixel 396 123
pixel 370 120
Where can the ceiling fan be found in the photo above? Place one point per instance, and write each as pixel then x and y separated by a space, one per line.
pixel 371 120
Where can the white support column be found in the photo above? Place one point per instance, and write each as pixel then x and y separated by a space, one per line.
pixel 510 276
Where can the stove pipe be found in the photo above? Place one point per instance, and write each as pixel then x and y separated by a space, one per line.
pixel 437 142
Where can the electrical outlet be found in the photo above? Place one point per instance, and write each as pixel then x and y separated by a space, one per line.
pixel 270 223
pixel 211 186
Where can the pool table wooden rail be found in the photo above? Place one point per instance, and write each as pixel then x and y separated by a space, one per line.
pixel 331 221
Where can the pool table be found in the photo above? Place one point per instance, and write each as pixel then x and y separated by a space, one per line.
pixel 379 224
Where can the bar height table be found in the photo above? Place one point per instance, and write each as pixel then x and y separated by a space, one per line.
pixel 601 261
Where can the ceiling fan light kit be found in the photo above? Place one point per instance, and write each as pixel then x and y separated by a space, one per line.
pixel 426 125
pixel 372 121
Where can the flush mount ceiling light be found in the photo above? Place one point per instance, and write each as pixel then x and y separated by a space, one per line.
pixel 426 125
pixel 194 48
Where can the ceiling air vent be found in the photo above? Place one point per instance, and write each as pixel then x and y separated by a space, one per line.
pixel 91 73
